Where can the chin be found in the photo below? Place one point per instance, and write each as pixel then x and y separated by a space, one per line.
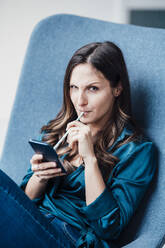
pixel 88 120
pixel 85 121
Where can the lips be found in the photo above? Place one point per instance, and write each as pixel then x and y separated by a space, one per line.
pixel 85 112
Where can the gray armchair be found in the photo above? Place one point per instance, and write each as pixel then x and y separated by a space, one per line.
pixel 39 97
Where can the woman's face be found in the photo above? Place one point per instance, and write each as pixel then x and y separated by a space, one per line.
pixel 90 92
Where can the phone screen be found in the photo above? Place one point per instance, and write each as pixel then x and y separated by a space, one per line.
pixel 49 154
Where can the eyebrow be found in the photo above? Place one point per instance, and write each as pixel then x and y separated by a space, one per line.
pixel 88 84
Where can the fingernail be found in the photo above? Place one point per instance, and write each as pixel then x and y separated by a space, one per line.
pixel 35 166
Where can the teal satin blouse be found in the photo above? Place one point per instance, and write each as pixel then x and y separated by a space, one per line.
pixel 104 219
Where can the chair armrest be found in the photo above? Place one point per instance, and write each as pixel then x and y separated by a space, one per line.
pixel 147 240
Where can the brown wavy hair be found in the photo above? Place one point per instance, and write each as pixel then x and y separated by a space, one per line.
pixel 107 58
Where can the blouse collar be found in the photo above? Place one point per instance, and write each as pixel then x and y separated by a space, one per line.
pixel 127 130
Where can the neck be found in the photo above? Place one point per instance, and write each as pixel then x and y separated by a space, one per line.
pixel 96 127
pixel 100 124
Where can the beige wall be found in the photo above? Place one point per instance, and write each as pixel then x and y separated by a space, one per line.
pixel 17 19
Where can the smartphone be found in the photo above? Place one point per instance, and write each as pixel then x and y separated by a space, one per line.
pixel 49 154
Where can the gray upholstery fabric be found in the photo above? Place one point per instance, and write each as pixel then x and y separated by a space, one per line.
pixel 39 98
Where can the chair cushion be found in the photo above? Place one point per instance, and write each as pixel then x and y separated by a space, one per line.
pixel 39 97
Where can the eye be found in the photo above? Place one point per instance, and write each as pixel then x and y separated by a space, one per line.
pixel 93 88
pixel 73 86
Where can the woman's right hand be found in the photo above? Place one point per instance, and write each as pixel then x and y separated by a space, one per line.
pixel 44 170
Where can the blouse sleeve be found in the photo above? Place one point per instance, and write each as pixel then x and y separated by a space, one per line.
pixel 112 210
pixel 28 175
pixel 24 183
pixel 56 182
pixel 29 172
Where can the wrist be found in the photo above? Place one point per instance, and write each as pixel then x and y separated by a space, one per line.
pixel 40 180
pixel 91 160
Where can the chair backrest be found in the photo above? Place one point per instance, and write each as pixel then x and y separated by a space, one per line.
pixel 39 97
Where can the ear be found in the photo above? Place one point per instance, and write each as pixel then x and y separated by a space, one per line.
pixel 117 90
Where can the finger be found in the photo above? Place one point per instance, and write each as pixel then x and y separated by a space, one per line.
pixel 69 125
pixel 36 158
pixel 50 172
pixel 52 176
pixel 57 175
pixel 75 124
pixel 73 134
pixel 74 128
pixel 43 166
pixel 73 141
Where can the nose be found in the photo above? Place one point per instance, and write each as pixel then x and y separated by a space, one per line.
pixel 82 99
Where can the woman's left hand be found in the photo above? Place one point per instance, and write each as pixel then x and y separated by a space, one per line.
pixel 80 134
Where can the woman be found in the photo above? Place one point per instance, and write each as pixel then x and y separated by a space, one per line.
pixel 109 162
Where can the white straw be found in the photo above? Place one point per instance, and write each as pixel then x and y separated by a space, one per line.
pixel 64 136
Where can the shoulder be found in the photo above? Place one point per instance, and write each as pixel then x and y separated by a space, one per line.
pixel 141 143
pixel 136 158
pixel 141 146
pixel 137 161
